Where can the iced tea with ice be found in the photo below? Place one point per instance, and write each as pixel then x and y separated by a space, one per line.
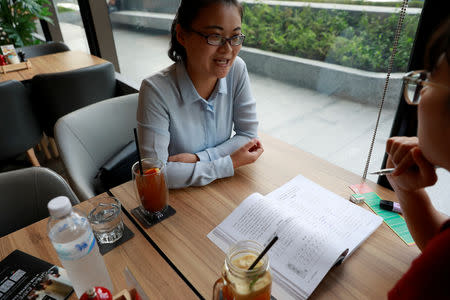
pixel 151 187
pixel 239 283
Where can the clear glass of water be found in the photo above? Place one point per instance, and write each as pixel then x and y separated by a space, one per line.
pixel 106 219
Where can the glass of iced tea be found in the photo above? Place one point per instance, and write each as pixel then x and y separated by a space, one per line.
pixel 239 283
pixel 151 188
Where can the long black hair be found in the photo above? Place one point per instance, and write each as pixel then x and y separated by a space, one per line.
pixel 187 12
pixel 439 44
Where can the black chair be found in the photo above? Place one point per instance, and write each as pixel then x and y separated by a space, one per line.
pixel 20 130
pixel 25 194
pixel 44 49
pixel 58 94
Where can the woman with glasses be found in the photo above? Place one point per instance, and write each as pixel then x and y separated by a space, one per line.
pixel 415 160
pixel 187 111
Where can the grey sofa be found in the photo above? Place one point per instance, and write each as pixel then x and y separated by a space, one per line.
pixel 25 194
pixel 88 137
pixel 44 49
pixel 20 130
pixel 57 94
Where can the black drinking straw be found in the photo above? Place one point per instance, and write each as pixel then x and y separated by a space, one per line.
pixel 275 238
pixel 138 152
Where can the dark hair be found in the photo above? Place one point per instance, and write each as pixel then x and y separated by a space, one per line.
pixel 439 44
pixel 187 12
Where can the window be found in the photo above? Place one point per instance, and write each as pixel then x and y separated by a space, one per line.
pixel 326 66
pixel 317 69
pixel 71 25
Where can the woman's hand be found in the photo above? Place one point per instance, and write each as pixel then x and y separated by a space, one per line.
pixel 184 157
pixel 412 170
pixel 247 154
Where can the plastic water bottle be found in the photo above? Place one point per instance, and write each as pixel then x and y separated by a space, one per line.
pixel 74 241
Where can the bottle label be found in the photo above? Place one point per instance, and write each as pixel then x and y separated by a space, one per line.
pixel 76 249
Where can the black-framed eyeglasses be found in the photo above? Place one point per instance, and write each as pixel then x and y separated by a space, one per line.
pixel 414 82
pixel 218 40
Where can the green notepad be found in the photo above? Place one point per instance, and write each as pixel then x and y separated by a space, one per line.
pixel 394 220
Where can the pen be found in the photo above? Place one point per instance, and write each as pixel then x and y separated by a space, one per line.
pixel 383 171
pixel 388 171
pixel 391 206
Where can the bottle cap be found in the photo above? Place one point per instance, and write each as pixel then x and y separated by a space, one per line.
pixel 97 293
pixel 59 206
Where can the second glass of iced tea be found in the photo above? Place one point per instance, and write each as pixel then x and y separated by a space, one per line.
pixel 151 188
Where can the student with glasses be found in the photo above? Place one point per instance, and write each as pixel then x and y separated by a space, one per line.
pixel 187 111
pixel 415 160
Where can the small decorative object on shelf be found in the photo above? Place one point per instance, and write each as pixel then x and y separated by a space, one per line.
pixel 2 60
pixel 10 61
pixel 10 53
pixel 15 67
pixel 21 55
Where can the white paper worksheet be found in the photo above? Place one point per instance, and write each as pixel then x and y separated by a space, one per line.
pixel 314 227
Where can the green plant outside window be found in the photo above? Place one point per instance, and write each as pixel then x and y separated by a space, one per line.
pixel 353 39
pixel 17 19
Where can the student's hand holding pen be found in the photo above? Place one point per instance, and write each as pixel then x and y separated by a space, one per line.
pixel 412 170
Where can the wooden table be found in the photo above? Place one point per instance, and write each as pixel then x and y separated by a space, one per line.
pixel 157 278
pixel 370 272
pixel 52 63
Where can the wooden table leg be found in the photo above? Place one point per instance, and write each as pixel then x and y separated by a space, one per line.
pixel 44 143
pixel 32 157
pixel 54 147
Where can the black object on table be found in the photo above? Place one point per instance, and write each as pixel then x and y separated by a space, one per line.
pixel 21 55
pixel 148 221
pixel 105 248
